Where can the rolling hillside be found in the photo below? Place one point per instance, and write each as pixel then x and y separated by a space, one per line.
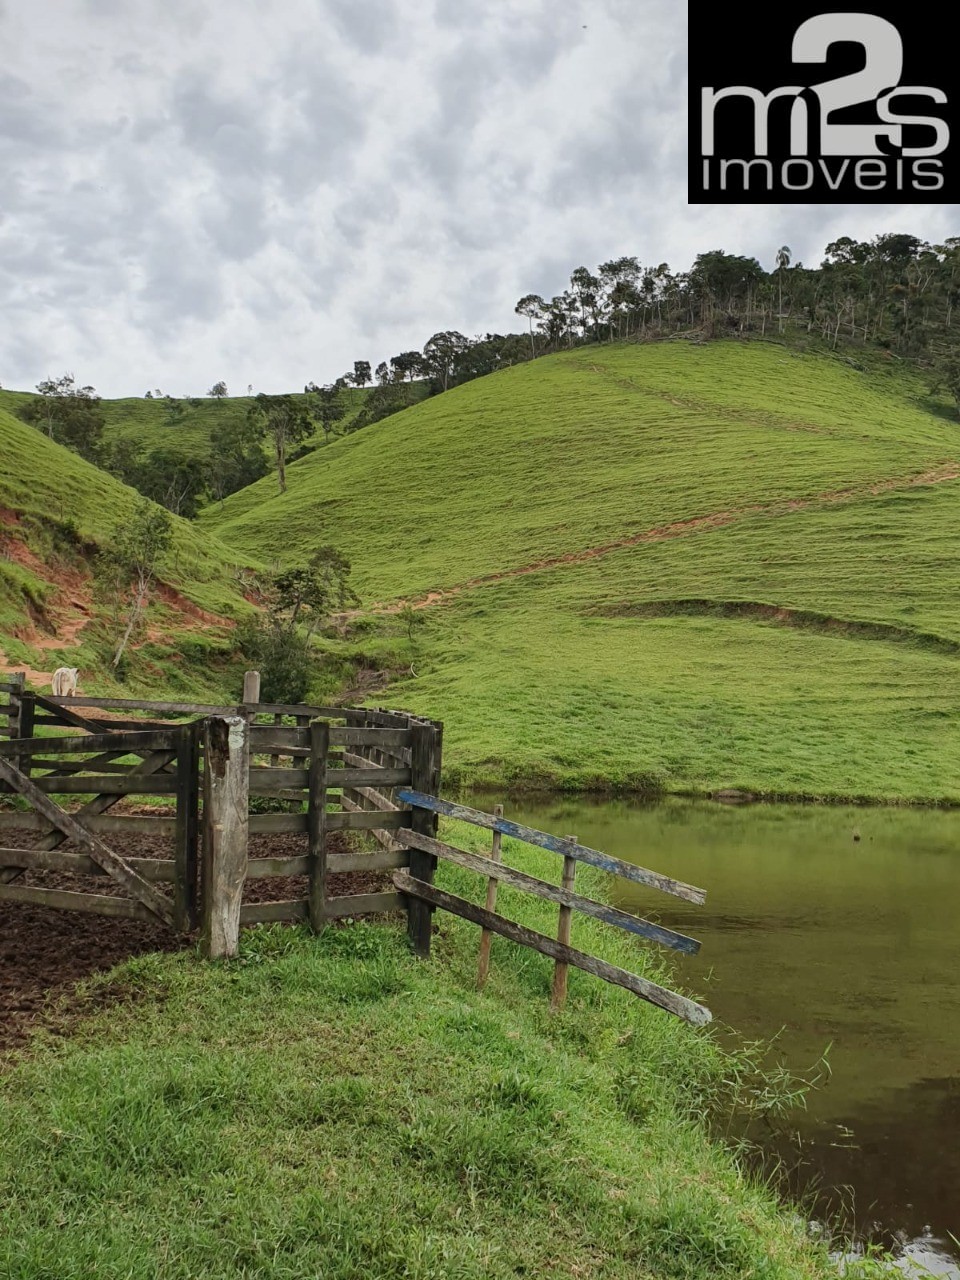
pixel 680 566
pixel 56 513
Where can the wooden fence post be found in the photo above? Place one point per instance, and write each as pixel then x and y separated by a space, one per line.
pixel 425 757
pixel 226 791
pixel 558 997
pixel 16 678
pixel 483 964
pixel 251 688
pixel 317 823
pixel 28 709
pixel 187 835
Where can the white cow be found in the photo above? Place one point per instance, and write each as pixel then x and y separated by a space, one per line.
pixel 65 682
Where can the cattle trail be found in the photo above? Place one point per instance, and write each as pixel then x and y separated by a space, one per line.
pixel 943 473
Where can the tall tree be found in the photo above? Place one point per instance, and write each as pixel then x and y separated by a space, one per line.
pixel 532 306
pixel 327 404
pixel 131 562
pixel 441 355
pixel 69 414
pixel 783 261
pixel 362 373
pixel 287 420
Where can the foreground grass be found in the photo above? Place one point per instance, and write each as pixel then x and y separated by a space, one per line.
pixel 332 1107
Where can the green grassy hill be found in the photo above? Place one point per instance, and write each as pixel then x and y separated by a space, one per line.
pixel 148 423
pixel 680 566
pixel 56 513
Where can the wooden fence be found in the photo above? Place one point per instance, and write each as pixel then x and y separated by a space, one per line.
pixel 326 768
pixel 568 901
pixel 106 767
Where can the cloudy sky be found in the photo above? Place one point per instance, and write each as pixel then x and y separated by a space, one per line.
pixel 201 190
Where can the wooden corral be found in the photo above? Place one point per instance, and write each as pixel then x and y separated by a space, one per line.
pixel 315 770
pixel 331 769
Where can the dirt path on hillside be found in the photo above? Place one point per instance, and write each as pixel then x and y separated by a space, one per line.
pixel 941 474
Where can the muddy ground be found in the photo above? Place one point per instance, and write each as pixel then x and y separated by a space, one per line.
pixel 44 953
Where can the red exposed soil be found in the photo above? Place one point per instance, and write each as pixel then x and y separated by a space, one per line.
pixel 44 953
pixel 172 597
pixel 58 626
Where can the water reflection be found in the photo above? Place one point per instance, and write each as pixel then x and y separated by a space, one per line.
pixel 834 926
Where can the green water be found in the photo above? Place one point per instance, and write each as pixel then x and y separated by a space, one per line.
pixel 827 939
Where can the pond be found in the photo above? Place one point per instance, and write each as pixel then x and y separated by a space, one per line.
pixel 830 926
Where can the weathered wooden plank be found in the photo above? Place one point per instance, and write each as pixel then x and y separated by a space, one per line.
pixel 115 743
pixel 292 865
pixel 379 860
pixel 156 870
pixel 627 870
pixel 316 823
pixel 267 779
pixel 486 937
pixel 266 740
pixel 558 993
pixel 119 824
pixel 370 820
pixel 120 870
pixel 64 714
pixel 187 835
pixel 99 804
pixel 225 832
pixel 351 820
pixel 372 737
pixel 68 768
pixel 379 800
pixel 265 912
pixel 136 704
pixel 110 784
pixel 286 737
pixel 425 770
pixel 66 900
pixel 277 823
pixel 364 904
pixel 551 893
pixel 101 725
pixel 679 1005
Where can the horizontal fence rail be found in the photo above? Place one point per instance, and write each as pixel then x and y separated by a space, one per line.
pixel 557 844
pixel 684 1008
pixel 550 892
pixel 417 883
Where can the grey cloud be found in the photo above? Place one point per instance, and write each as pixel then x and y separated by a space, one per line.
pixel 369 27
pixel 26 120
pixel 233 192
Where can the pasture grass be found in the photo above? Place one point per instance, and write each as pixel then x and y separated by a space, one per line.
pixel 333 1107
pixel 800 639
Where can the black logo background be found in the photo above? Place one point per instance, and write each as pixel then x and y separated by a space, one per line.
pixel 726 47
